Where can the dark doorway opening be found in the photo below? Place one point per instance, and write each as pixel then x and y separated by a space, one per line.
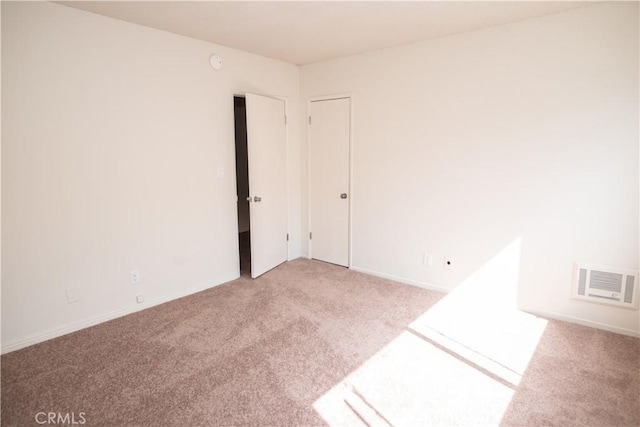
pixel 242 183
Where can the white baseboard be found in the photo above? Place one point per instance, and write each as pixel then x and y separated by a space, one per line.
pixel 422 285
pixel 541 313
pixel 76 326
pixel 83 324
pixel 583 322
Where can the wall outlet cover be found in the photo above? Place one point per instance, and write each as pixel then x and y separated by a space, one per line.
pixel 427 260
pixel 134 276
pixel 72 296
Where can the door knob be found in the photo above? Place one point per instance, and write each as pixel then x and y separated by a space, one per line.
pixel 257 199
pixel 343 196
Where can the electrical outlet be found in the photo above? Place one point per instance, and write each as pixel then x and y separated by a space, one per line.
pixel 72 296
pixel 139 298
pixel 134 275
pixel 427 260
pixel 448 263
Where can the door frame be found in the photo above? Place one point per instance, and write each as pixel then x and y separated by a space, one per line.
pixel 348 95
pixel 285 99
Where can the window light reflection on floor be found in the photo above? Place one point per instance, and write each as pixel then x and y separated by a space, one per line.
pixel 457 364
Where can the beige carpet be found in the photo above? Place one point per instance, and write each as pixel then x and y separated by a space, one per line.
pixel 310 344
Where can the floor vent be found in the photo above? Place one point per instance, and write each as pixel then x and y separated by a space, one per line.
pixel 606 285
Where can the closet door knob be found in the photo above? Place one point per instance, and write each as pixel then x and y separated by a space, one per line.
pixel 343 196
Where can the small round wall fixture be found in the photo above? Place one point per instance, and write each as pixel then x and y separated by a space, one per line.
pixel 216 62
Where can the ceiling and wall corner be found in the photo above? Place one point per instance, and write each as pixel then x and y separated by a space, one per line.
pixel 302 32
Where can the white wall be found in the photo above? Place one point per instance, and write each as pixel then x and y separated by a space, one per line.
pixel 113 134
pixel 465 144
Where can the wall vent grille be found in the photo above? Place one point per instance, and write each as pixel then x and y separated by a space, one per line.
pixel 606 285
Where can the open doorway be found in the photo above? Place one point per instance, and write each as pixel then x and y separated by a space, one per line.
pixel 261 176
pixel 242 183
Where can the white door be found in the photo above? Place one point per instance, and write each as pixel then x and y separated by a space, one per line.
pixel 266 148
pixel 329 137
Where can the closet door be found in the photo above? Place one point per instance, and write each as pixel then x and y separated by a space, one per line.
pixel 329 137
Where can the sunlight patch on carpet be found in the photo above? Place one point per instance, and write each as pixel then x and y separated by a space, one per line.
pixel 457 364
pixel 412 382
pixel 481 316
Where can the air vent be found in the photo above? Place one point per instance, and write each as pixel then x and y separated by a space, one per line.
pixel 606 285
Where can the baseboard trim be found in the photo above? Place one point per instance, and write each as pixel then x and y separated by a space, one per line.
pixel 83 324
pixel 423 285
pixel 541 313
pixel 583 322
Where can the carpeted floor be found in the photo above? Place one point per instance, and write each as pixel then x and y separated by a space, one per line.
pixel 278 350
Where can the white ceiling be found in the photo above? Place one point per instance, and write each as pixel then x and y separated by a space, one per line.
pixel 301 32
